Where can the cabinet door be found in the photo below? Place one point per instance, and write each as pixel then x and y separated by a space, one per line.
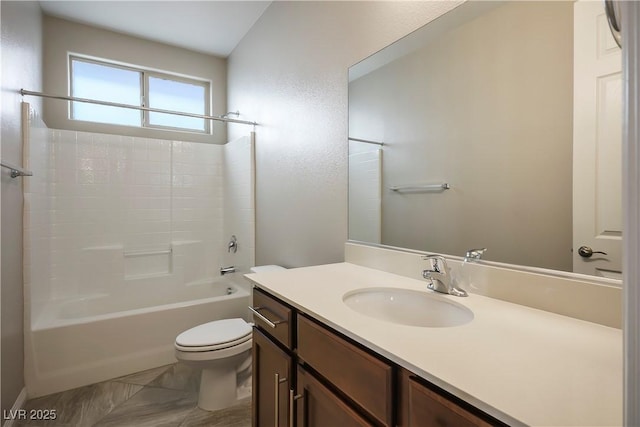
pixel 427 408
pixel 319 407
pixel 269 360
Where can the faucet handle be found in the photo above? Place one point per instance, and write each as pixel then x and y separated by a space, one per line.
pixel 438 263
pixel 474 254
pixel 233 244
pixel 439 277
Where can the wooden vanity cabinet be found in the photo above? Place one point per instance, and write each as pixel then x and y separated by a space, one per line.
pixel 325 379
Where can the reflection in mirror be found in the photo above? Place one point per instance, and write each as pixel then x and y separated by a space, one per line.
pixel 514 105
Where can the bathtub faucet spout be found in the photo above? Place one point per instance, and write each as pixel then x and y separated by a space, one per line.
pixel 227 270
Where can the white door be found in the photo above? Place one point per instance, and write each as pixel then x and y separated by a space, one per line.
pixel 597 144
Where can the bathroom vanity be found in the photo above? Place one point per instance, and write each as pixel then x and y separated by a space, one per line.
pixel 338 382
pixel 318 362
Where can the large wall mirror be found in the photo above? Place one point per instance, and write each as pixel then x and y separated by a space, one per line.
pixel 497 125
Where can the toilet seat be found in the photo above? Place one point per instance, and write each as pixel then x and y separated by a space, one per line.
pixel 220 349
pixel 212 336
pixel 213 347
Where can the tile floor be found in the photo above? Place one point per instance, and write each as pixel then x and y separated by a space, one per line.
pixel 160 397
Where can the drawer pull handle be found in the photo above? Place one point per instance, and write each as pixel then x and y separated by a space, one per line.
pixel 292 399
pixel 272 324
pixel 276 411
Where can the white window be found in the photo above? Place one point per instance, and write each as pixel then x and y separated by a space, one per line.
pixel 104 81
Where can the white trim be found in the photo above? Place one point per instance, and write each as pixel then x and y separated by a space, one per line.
pixel 145 75
pixel 630 27
pixel 18 404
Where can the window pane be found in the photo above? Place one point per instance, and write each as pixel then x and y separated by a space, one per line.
pixel 178 96
pixel 113 84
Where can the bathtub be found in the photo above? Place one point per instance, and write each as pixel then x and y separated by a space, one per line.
pixel 83 341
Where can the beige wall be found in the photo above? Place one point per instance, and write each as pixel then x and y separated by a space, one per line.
pixel 62 37
pixel 21 67
pixel 490 112
pixel 289 74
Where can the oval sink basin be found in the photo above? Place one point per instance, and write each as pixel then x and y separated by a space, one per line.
pixel 407 307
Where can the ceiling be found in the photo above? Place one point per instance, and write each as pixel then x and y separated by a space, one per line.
pixel 213 27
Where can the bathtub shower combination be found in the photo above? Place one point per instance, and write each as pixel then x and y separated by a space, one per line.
pixel 124 241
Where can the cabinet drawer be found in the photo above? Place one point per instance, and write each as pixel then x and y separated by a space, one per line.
pixel 364 378
pixel 278 314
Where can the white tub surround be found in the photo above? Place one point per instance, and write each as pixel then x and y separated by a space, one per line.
pixel 124 240
pixel 105 211
pixel 522 365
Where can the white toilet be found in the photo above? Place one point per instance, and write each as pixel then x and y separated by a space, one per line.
pixel 221 348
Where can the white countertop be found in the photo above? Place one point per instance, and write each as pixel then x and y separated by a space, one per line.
pixel 521 365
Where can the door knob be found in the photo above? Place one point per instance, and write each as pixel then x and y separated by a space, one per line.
pixel 586 252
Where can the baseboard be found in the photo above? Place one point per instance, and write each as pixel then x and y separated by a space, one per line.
pixel 13 414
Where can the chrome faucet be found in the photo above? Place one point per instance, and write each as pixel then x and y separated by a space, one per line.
pixel 474 254
pixel 440 276
pixel 227 270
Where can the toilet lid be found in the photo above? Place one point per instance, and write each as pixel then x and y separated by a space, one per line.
pixel 214 333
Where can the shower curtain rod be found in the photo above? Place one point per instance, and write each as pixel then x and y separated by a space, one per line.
pixel 25 92
pixel 366 141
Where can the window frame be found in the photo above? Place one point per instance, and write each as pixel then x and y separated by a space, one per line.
pixel 145 74
pixel 145 100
